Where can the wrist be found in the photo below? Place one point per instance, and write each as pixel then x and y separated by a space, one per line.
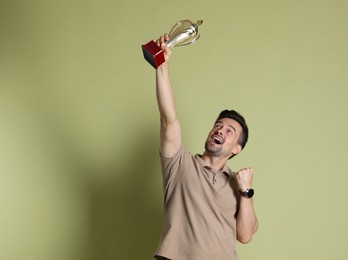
pixel 245 186
pixel 163 67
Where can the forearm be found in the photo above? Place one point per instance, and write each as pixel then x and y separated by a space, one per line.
pixel 247 222
pixel 165 95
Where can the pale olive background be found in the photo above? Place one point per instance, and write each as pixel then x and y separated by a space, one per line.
pixel 79 126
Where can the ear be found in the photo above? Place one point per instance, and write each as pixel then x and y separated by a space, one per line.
pixel 236 150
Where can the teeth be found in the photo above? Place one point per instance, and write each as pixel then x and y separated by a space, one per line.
pixel 217 140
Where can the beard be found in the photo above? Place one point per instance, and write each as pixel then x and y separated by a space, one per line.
pixel 212 148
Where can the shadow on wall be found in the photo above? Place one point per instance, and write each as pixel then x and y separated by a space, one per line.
pixel 124 198
pixel 126 213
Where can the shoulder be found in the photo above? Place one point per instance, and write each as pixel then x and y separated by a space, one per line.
pixel 181 154
pixel 180 158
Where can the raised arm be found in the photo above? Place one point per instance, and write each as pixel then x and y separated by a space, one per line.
pixel 170 134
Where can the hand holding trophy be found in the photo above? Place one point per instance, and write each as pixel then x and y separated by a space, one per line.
pixel 183 33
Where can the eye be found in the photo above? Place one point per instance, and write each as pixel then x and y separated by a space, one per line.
pixel 230 131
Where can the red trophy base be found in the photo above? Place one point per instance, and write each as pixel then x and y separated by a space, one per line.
pixel 153 54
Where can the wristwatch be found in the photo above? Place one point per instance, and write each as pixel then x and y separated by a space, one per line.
pixel 248 193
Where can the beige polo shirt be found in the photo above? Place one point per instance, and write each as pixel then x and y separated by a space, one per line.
pixel 200 207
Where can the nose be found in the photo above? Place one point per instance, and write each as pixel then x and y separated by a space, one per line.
pixel 219 131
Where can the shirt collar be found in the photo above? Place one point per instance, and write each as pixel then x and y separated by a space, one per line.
pixel 226 169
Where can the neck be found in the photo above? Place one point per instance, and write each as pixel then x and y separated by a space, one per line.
pixel 217 163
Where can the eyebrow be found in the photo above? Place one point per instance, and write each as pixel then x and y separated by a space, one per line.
pixel 234 129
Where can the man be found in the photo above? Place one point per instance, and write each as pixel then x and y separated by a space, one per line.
pixel 207 206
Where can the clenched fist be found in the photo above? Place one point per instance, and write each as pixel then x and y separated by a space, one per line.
pixel 244 178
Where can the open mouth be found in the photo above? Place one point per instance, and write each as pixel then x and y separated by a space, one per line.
pixel 217 139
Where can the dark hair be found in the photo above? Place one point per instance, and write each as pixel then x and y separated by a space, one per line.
pixel 232 114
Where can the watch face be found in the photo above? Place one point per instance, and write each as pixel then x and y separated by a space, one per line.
pixel 250 193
